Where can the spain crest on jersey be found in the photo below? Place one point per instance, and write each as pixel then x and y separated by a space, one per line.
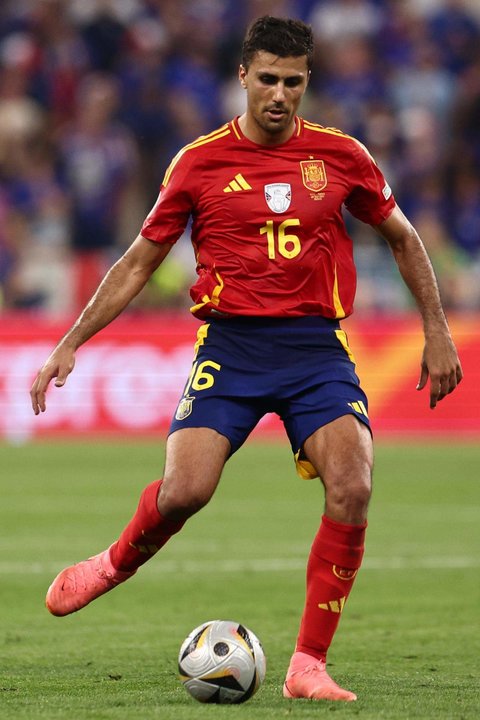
pixel 278 196
pixel 314 175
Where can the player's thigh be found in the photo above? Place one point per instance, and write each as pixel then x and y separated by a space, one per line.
pixel 194 461
pixel 342 453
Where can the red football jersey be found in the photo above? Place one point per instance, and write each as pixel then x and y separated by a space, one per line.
pixel 267 224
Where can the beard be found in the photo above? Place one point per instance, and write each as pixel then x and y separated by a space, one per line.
pixel 270 126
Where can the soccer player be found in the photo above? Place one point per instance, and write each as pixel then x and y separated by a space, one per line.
pixel 275 278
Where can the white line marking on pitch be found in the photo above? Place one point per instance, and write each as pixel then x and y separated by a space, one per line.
pixel 258 565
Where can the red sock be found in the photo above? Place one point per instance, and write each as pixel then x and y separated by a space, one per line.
pixel 145 534
pixel 335 557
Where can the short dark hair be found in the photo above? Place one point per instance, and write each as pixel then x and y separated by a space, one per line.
pixel 284 37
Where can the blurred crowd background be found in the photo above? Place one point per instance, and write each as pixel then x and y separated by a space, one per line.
pixel 96 96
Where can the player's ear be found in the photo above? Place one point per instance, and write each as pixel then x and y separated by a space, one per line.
pixel 242 75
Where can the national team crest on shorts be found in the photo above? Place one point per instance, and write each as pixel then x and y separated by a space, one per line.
pixel 278 196
pixel 314 175
pixel 184 408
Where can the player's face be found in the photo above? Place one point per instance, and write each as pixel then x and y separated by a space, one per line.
pixel 275 87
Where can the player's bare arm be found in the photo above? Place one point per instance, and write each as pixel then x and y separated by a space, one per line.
pixel 120 285
pixel 440 360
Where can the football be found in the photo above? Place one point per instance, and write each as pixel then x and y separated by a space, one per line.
pixel 221 662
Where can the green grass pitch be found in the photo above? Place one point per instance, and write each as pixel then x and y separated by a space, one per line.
pixel 409 640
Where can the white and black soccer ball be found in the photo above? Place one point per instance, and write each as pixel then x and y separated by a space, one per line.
pixel 221 662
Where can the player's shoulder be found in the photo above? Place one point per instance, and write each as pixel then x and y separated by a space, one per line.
pixel 332 136
pixel 199 149
pixel 201 143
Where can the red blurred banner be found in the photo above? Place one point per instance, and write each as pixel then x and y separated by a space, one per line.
pixel 388 353
pixel 129 377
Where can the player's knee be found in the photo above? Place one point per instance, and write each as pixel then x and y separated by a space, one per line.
pixel 360 492
pixel 357 491
pixel 179 502
pixel 348 495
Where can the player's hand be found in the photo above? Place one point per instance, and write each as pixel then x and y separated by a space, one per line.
pixel 59 365
pixel 440 362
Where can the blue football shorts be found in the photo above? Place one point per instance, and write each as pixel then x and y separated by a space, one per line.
pixel 302 369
